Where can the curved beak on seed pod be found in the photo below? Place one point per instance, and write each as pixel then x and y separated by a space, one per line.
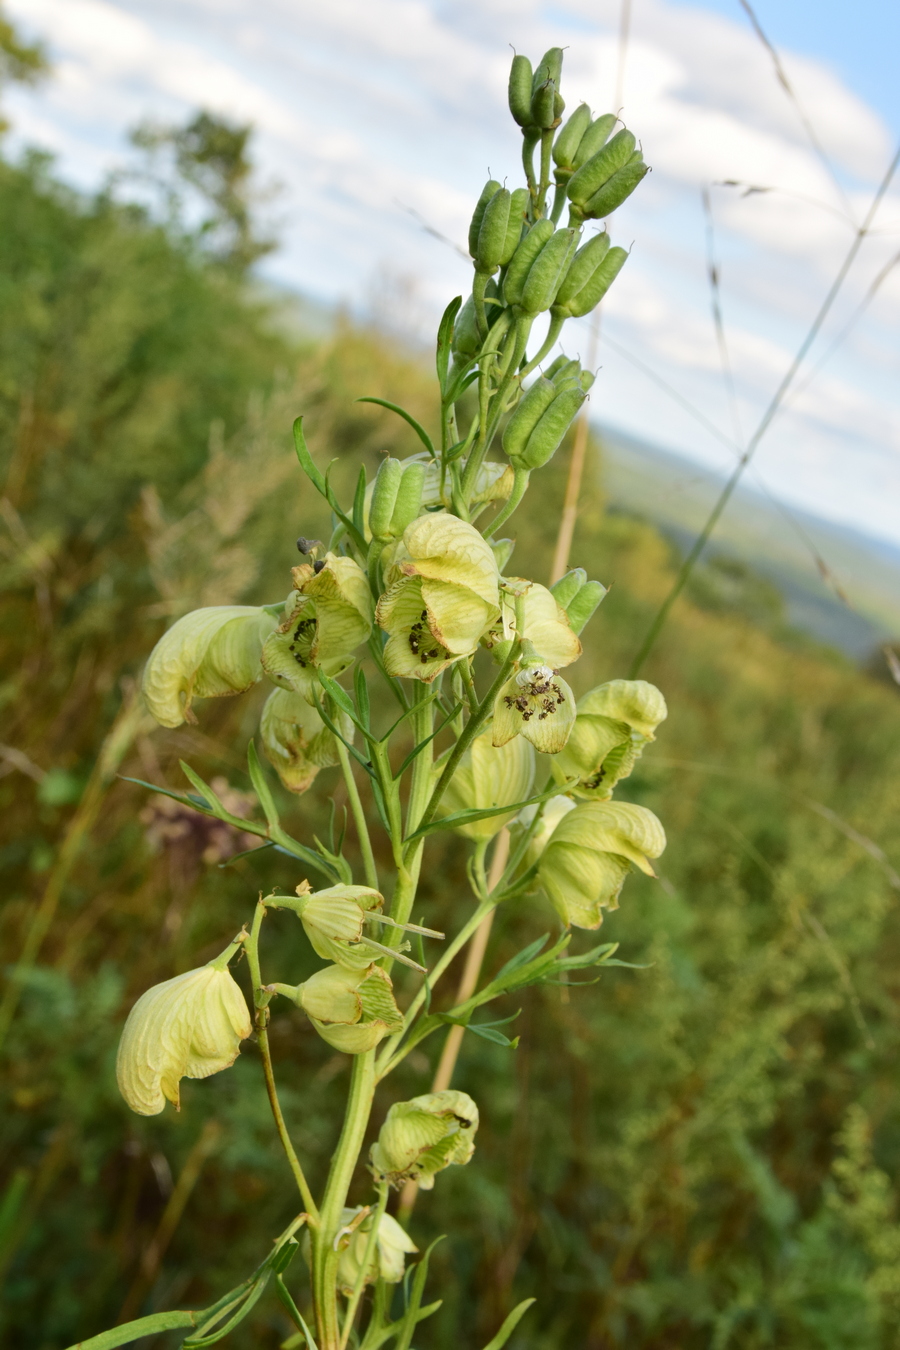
pixel 552 814
pixel 327 617
pixel 486 777
pixel 613 723
pixel 545 625
pixel 350 1009
pixel 188 1027
pixel 442 593
pixel 208 653
pixel 421 1137
pixel 538 705
pixel 296 740
pixel 388 1262
pixel 586 860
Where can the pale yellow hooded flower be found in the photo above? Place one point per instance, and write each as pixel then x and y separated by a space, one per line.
pixel 208 653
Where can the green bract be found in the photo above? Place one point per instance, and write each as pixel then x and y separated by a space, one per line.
pixel 388 1261
pixel 442 593
pixel 296 740
pixel 489 776
pixel 538 705
pixel 188 1027
pixel 586 860
pixel 613 723
pixel 327 618
pixel 421 1137
pixel 207 654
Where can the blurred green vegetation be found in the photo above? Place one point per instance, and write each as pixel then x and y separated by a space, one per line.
pixel 696 1154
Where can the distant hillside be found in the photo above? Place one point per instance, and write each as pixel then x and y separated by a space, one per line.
pixel 676 495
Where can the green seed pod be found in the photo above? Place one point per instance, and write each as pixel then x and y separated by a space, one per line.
pixel 387 483
pixel 568 586
pixel 533 405
pixel 593 291
pixel 544 103
pixel 586 380
pixel 520 81
pixel 517 208
pixel 549 68
pixel 466 342
pixel 487 192
pixel 547 436
pixel 566 374
pixel 408 504
pixel 567 142
pixel 492 232
pixel 585 602
pixel 583 265
pixel 556 366
pixel 601 167
pixel 522 259
pixel 548 270
pixel 594 138
pixel 618 189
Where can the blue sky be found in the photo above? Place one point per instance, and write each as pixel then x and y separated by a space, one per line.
pixel 370 110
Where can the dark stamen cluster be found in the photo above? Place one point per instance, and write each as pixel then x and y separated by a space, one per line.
pixel 417 638
pixel 302 633
pixel 547 695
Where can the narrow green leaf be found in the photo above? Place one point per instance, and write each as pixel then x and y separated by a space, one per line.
pixel 291 848
pixel 199 1341
pixel 407 417
pixel 510 1325
pixel 409 1319
pixel 247 853
pixel 521 958
pixel 359 502
pixel 470 815
pixel 417 749
pixel 360 759
pixel 294 1312
pixel 163 792
pixel 204 789
pixel 361 688
pixel 260 786
pixel 133 1331
pixel 339 695
pixel 306 459
pixel 445 339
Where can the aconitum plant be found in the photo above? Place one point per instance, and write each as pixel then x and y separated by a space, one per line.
pixel 414 590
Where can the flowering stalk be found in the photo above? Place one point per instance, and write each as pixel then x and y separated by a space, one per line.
pixel 413 593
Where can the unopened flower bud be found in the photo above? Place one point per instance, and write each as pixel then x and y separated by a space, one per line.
pixel 350 1009
pixel 520 81
pixel 486 777
pixel 594 138
pixel 296 740
pixel 613 724
pixel 388 1262
pixel 538 705
pixel 487 192
pixel 208 653
pixel 601 167
pixel 617 189
pixel 421 1137
pixel 584 865
pixel 384 496
pixel 188 1027
pixel 442 593
pixel 330 615
pixel 334 921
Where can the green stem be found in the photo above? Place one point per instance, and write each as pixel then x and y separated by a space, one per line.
pixel 360 1282
pixel 325 1257
pixel 470 731
pixel 553 332
pixel 520 484
pixel 359 816
pixel 546 146
pixel 479 286
pixel 260 1002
